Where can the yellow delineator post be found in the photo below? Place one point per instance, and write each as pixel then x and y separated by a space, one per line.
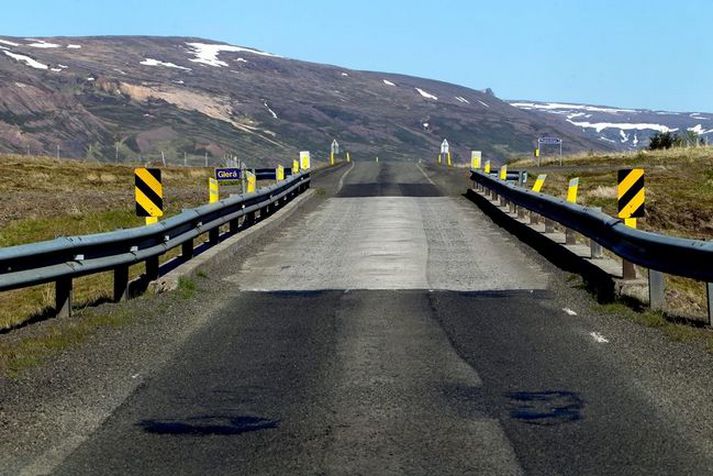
pixel 572 190
pixel 439 159
pixel 569 235
pixel 377 158
pixel 280 173
pixel 503 172
pixel 631 197
pixel 251 181
pixel 448 157
pixel 486 169
pixel 295 167
pixel 539 183
pixel 475 156
pixel 331 158
pixel 304 160
pixel 349 157
pixel 148 192
pixel 213 190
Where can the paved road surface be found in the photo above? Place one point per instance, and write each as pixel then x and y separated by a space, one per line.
pixel 393 330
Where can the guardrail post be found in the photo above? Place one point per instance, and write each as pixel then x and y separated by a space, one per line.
pixel 521 212
pixel 534 218
pixel 628 270
pixel 249 219
pixel 63 297
pixel 657 290
pixel 121 283
pixel 187 249
pixel 152 272
pixel 596 250
pixel 570 237
pixel 234 226
pixel 709 294
pixel 549 226
pixel 214 236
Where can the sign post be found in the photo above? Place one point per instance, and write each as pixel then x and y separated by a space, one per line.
pixel 548 140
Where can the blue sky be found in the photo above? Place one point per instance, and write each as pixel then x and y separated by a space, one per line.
pixel 631 53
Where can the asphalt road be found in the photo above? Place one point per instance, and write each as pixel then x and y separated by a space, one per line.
pixel 395 329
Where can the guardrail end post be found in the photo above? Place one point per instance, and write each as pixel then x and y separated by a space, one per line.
pixel 214 236
pixel 657 290
pixel 63 297
pixel 187 249
pixel 709 295
pixel 121 283
pixel 152 272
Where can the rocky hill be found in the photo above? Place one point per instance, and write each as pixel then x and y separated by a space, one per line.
pixel 119 98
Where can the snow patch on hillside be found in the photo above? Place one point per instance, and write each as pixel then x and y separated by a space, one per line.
pixel 554 106
pixel 42 44
pixel 600 126
pixel 462 99
pixel 155 62
pixel 481 102
pixel 388 83
pixel 345 74
pixel 698 129
pixel 241 60
pixel 207 54
pixel 27 60
pixel 74 47
pixel 426 95
pixel 270 110
pixel 9 43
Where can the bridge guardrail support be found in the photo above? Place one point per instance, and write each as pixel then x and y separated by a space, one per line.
pixel 152 271
pixel 549 226
pixel 657 290
pixel 121 283
pixel 63 297
pixel 187 250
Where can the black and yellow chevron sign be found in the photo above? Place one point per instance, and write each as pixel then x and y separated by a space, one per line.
pixel 149 192
pixel 631 193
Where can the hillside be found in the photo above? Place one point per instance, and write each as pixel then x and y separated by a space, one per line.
pixel 621 128
pixel 117 98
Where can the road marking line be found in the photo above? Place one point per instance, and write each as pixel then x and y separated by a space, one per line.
pixel 569 311
pixel 418 166
pixel 341 180
pixel 598 337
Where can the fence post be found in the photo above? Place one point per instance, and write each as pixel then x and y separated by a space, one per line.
pixel 63 297
pixel 657 290
pixel 534 218
pixel 121 283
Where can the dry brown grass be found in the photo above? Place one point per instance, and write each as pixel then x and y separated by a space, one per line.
pixel 43 198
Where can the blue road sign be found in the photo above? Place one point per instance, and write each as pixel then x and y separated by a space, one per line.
pixel 227 174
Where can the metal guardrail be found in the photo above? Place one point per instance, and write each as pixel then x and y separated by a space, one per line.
pixel 62 259
pixel 666 254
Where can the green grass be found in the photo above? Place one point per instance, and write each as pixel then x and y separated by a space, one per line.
pixel 31 351
pixel 186 287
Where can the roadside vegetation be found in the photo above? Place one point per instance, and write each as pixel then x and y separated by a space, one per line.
pixel 43 198
pixel 679 199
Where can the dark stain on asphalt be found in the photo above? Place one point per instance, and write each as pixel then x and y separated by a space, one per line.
pixel 546 408
pixel 208 425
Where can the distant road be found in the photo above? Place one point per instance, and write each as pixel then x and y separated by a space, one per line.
pixel 396 329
